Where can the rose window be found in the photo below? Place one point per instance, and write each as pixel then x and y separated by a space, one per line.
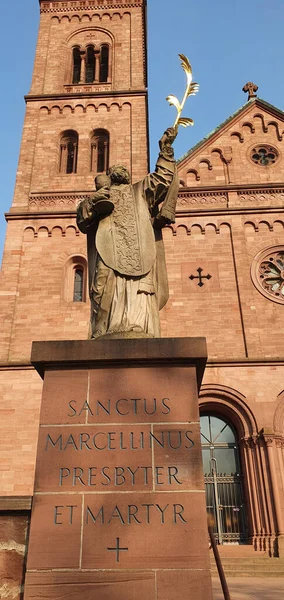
pixel 264 155
pixel 268 273
pixel 271 274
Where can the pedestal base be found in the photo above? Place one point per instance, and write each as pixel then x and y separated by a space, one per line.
pixel 119 503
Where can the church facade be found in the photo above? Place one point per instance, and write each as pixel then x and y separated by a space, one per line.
pixel 87 109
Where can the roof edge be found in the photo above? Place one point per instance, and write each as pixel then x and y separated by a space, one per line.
pixel 257 101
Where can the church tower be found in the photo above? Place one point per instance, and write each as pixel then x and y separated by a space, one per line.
pixel 87 109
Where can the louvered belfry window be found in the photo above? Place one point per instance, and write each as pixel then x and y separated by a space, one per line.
pixel 90 65
pixel 76 65
pixel 100 151
pixel 68 152
pixel 104 63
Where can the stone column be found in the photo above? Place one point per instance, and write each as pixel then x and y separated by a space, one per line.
pixel 251 484
pixel 267 495
pixel 83 68
pixel 272 457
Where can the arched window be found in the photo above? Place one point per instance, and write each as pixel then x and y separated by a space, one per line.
pixel 100 151
pixel 90 65
pixel 104 62
pixel 74 279
pixel 68 152
pixel 76 65
pixel 78 292
pixel 223 480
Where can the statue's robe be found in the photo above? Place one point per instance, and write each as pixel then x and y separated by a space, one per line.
pixel 127 271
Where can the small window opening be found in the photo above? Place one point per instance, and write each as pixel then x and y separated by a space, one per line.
pixel 76 65
pixel 78 285
pixel 90 65
pixel 101 162
pixel 100 151
pixel 104 60
pixel 70 157
pixel 68 152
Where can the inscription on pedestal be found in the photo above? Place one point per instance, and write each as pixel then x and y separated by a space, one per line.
pixel 119 481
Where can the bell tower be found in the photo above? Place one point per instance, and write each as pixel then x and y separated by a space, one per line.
pixel 86 110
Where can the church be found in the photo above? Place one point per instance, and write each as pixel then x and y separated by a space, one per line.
pixel 86 110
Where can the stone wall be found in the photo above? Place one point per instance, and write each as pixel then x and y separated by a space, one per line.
pixel 13 548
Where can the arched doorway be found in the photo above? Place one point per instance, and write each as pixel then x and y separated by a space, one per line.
pixel 223 479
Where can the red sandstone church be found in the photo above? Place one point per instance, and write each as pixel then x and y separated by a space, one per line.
pixel 87 108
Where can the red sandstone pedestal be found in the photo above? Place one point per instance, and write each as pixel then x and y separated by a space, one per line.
pixel 119 506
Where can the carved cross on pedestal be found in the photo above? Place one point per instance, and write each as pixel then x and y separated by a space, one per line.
pixel 251 88
pixel 117 549
pixel 200 277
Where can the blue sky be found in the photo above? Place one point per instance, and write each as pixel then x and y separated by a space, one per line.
pixel 228 42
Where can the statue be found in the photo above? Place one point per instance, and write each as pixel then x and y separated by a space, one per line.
pixel 123 222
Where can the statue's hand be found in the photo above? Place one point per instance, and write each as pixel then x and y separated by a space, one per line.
pixel 102 194
pixel 168 139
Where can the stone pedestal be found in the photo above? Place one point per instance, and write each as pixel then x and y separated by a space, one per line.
pixel 119 503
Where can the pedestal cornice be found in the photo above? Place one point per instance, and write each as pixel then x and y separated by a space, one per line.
pixel 127 352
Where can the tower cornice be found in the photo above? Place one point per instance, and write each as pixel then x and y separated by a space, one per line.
pixel 77 5
pixel 81 95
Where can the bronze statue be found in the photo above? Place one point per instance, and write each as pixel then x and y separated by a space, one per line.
pixel 123 222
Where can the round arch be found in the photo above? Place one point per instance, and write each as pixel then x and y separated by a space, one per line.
pixel 74 263
pixel 231 404
pixel 228 424
pixel 108 33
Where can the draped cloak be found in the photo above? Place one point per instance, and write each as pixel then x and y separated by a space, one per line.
pixel 126 261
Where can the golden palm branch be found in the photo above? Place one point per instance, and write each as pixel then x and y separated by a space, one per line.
pixel 191 89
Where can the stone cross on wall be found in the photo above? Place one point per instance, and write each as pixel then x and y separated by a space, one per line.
pixel 251 88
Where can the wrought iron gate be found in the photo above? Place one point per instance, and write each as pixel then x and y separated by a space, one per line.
pixel 223 481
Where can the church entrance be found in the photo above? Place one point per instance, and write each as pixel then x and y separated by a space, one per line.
pixel 223 480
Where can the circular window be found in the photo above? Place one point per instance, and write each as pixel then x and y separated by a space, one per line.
pixel 268 273
pixel 264 155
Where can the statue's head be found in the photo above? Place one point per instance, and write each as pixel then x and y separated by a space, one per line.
pixel 118 175
pixel 102 181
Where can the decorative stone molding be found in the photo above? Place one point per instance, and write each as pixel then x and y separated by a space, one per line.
pixel 237 134
pixel 256 224
pixel 279 442
pixel 268 440
pixel 79 18
pixel 92 88
pixel 249 127
pixel 42 202
pixel 249 442
pixel 202 199
pixel 71 6
pixel 262 197
pixel 31 233
pixel 91 106
pixel 267 435
pixel 193 227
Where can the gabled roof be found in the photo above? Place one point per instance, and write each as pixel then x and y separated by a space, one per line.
pixel 243 109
